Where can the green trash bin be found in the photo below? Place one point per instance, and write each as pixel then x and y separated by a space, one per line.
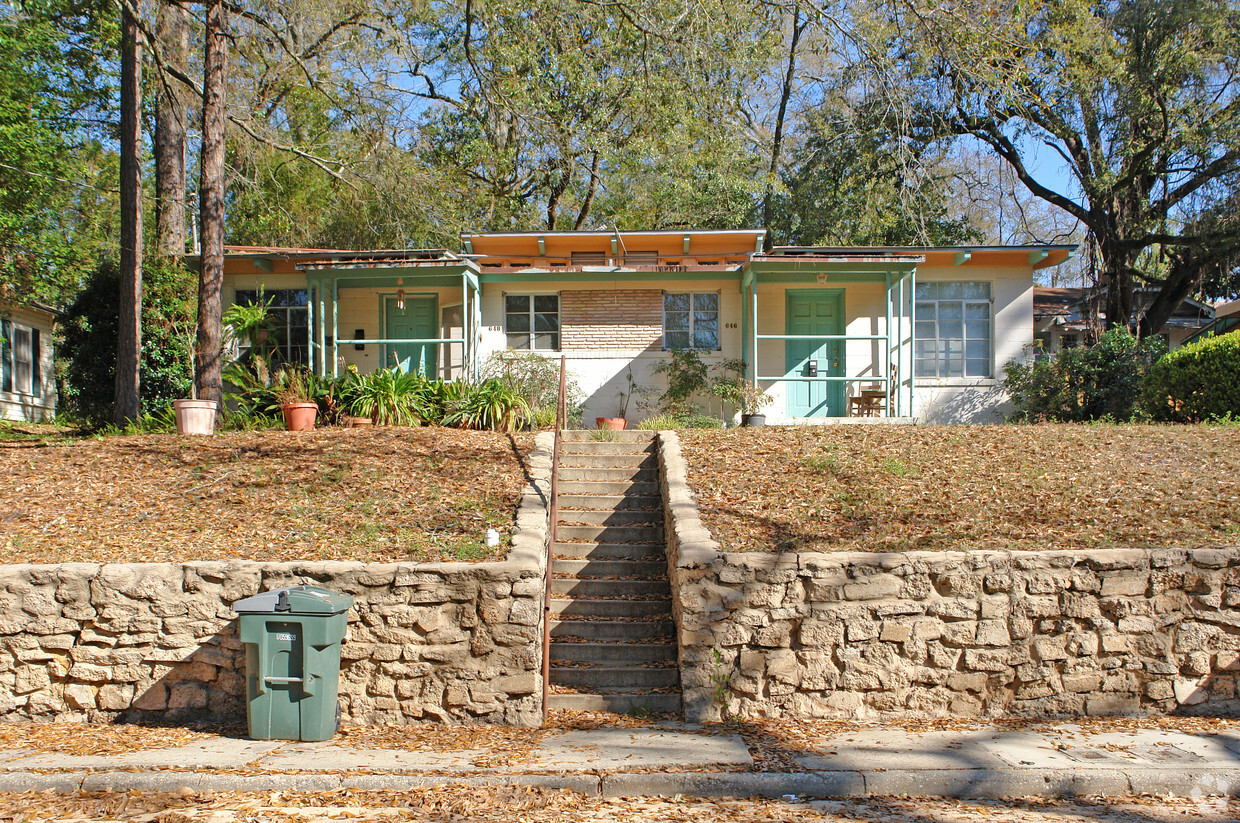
pixel 292 642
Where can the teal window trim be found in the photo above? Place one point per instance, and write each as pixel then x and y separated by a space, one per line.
pixel 6 355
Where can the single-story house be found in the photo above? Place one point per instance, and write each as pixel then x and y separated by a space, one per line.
pixel 27 382
pixel 926 328
pixel 1067 317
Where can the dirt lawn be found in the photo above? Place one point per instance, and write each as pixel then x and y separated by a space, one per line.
pixel 381 494
pixel 902 488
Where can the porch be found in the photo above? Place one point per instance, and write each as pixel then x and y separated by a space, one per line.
pixel 830 336
pixel 417 310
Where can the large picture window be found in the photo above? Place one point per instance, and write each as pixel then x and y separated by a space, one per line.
pixel 289 318
pixel 532 321
pixel 954 330
pixel 691 321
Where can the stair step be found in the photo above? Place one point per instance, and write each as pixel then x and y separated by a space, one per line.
pixel 608 462
pixel 574 607
pixel 607 551
pixel 616 702
pixel 605 517
pixel 613 654
pixel 610 568
pixel 618 630
pixel 614 534
pixel 608 474
pixel 609 588
pixel 611 488
pixel 630 452
pixel 576 436
pixel 644 502
pixel 603 679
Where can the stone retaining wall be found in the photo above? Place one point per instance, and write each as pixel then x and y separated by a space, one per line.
pixel 451 642
pixel 993 633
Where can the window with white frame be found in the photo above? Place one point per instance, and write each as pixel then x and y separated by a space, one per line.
pixel 288 316
pixel 691 320
pixel 21 352
pixel 532 321
pixel 954 329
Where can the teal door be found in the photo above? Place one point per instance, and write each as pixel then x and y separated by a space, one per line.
pixel 820 311
pixel 416 321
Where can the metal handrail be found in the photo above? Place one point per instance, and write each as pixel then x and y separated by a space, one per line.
pixel 560 415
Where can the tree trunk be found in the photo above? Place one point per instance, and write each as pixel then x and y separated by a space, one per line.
pixel 170 137
pixel 207 364
pixel 127 404
pixel 777 143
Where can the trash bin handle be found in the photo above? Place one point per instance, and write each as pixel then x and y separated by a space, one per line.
pixel 259 685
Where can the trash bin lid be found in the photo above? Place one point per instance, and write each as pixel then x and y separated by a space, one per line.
pixel 295 600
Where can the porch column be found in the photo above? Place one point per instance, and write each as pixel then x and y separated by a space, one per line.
pixel 335 326
pixel 311 319
pixel 912 341
pixel 322 328
pixel 753 326
pixel 892 390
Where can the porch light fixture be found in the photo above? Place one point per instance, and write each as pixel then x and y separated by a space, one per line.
pixel 400 299
pixel 822 279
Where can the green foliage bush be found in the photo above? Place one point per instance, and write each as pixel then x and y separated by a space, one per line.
pixel 1074 385
pixel 1200 381
pixel 90 332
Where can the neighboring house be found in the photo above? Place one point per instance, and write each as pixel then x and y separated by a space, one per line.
pixel 931 327
pixel 1226 321
pixel 27 383
pixel 1068 317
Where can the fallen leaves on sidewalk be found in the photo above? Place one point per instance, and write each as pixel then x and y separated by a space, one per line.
pixel 536 805
pixel 104 740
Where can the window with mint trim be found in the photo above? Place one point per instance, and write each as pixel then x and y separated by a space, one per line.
pixel 6 355
pixel 953 331
pixel 36 350
pixel 532 321
pixel 691 320
pixel 289 318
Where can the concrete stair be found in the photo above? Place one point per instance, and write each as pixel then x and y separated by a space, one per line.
pixel 613 639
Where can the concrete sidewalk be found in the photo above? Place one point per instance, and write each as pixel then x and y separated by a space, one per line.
pixel 669 759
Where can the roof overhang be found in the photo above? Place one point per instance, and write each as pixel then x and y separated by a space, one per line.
pixel 1035 256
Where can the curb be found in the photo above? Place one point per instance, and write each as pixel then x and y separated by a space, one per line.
pixel 962 784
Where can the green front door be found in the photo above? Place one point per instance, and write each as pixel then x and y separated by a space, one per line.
pixel 818 311
pixel 416 321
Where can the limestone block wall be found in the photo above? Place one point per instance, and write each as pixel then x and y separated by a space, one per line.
pixel 994 633
pixel 450 642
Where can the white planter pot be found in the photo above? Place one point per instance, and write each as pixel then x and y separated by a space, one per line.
pixel 195 416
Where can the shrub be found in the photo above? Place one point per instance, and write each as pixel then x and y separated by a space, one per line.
pixel 536 379
pixel 1200 381
pixel 1094 383
pixel 90 333
pixel 491 405
pixel 389 397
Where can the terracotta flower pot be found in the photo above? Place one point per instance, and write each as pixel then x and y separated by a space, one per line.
pixel 360 422
pixel 616 424
pixel 194 416
pixel 299 417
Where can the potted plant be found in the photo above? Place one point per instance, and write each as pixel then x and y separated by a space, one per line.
pixel 193 416
pixel 744 395
pixel 295 394
pixel 624 396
